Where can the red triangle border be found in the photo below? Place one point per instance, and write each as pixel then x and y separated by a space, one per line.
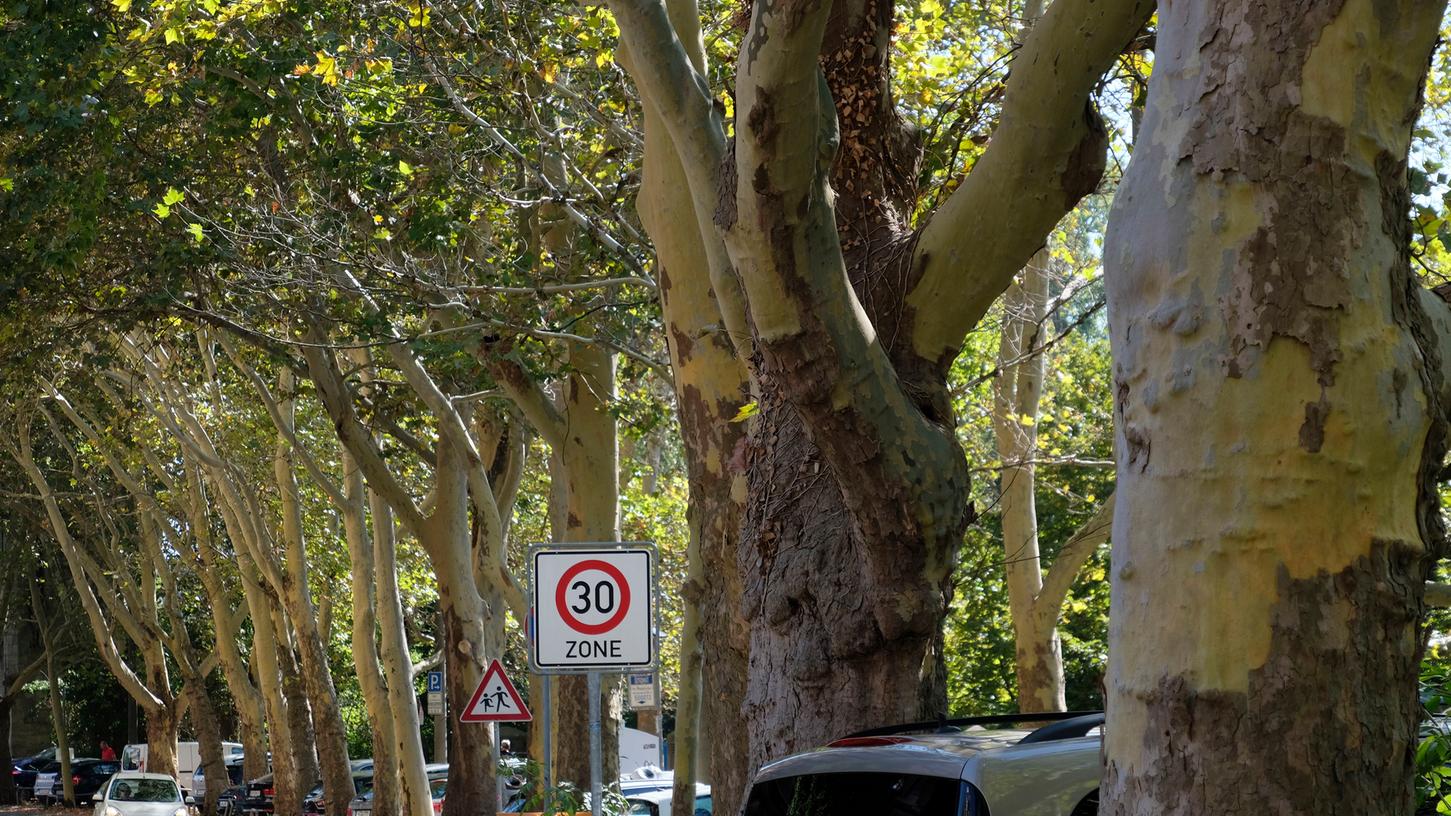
pixel 496 668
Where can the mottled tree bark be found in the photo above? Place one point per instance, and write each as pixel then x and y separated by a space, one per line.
pixel 711 387
pixel 209 743
pixel 590 462
pixel 851 320
pixel 365 644
pixel 1279 416
pixel 329 735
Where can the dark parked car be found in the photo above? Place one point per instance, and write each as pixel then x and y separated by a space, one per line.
pixel 230 802
pixel 314 802
pixel 258 797
pixel 88 775
pixel 24 769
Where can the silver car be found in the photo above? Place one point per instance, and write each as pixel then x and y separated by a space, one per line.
pixel 965 767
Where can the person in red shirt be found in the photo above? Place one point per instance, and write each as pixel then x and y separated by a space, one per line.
pixel 107 752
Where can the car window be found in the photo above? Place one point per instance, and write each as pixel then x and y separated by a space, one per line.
pixel 437 788
pixel 703 806
pixel 131 758
pixel 639 808
pixel 145 790
pixel 849 794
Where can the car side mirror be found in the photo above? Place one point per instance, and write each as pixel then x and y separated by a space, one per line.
pixel 190 800
pixel 98 797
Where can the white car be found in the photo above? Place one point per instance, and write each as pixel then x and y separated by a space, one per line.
pixel 131 793
pixel 972 766
pixel 657 803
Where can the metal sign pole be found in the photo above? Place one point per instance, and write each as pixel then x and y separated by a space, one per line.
pixel 596 746
pixel 548 754
pixel 498 787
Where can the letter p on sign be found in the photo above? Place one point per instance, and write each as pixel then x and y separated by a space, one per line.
pixel 595 607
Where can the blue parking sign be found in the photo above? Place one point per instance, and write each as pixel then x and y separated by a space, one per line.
pixel 435 681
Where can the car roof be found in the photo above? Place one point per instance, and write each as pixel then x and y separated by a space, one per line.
pixel 139 775
pixel 940 755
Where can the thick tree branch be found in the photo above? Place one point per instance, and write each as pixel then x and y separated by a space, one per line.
pixel 1046 154
pixel 1074 553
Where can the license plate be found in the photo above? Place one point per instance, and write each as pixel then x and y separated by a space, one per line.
pixel 362 813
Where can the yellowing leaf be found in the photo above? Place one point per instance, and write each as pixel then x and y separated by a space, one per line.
pixel 161 210
pixel 196 231
pixel 326 68
pixel 549 72
pixel 153 97
pixel 173 196
pixel 7 184
pixel 747 411
pixel 173 35
pixel 122 6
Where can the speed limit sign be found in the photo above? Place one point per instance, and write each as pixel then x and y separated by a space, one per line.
pixel 594 607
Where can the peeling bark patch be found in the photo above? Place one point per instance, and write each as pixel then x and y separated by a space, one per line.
pixel 1346 641
pixel 725 202
pixel 1087 161
pixel 1312 432
pixel 1291 279
pixel 762 119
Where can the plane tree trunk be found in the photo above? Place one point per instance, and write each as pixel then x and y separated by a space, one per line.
pixel 1279 413
pixel 851 316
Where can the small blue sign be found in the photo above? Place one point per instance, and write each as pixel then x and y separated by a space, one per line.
pixel 435 681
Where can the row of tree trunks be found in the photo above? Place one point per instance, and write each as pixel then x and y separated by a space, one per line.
pixel 329 735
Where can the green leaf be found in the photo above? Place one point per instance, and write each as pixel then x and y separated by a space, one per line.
pixel 7 184
pixel 747 411
pixel 196 231
pixel 173 196
pixel 405 168
pixel 161 210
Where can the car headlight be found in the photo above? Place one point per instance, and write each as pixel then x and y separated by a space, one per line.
pixel 110 811
pixel 181 811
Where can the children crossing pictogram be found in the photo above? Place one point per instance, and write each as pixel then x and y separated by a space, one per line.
pixel 496 699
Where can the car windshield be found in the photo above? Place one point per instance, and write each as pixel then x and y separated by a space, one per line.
pixel 144 790
pixel 848 794
pixel 437 788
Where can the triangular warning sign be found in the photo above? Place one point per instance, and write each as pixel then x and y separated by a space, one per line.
pixel 496 700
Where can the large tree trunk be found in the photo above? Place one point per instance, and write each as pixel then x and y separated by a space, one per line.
pixel 398 665
pixel 365 643
pixel 591 470
pixel 472 784
pixel 162 725
pixel 852 520
pixel 267 665
pixel 209 743
pixel 1278 412
pixel 299 718
pixel 8 792
pixel 711 386
pixel 1016 393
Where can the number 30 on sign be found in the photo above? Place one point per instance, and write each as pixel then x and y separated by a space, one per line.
pixel 595 606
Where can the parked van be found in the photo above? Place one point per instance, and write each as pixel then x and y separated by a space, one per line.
pixel 188 758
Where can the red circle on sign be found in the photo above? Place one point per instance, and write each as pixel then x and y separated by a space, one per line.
pixel 568 615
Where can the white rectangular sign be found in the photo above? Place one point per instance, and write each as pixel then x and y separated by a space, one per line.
pixel 642 691
pixel 435 703
pixel 594 606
